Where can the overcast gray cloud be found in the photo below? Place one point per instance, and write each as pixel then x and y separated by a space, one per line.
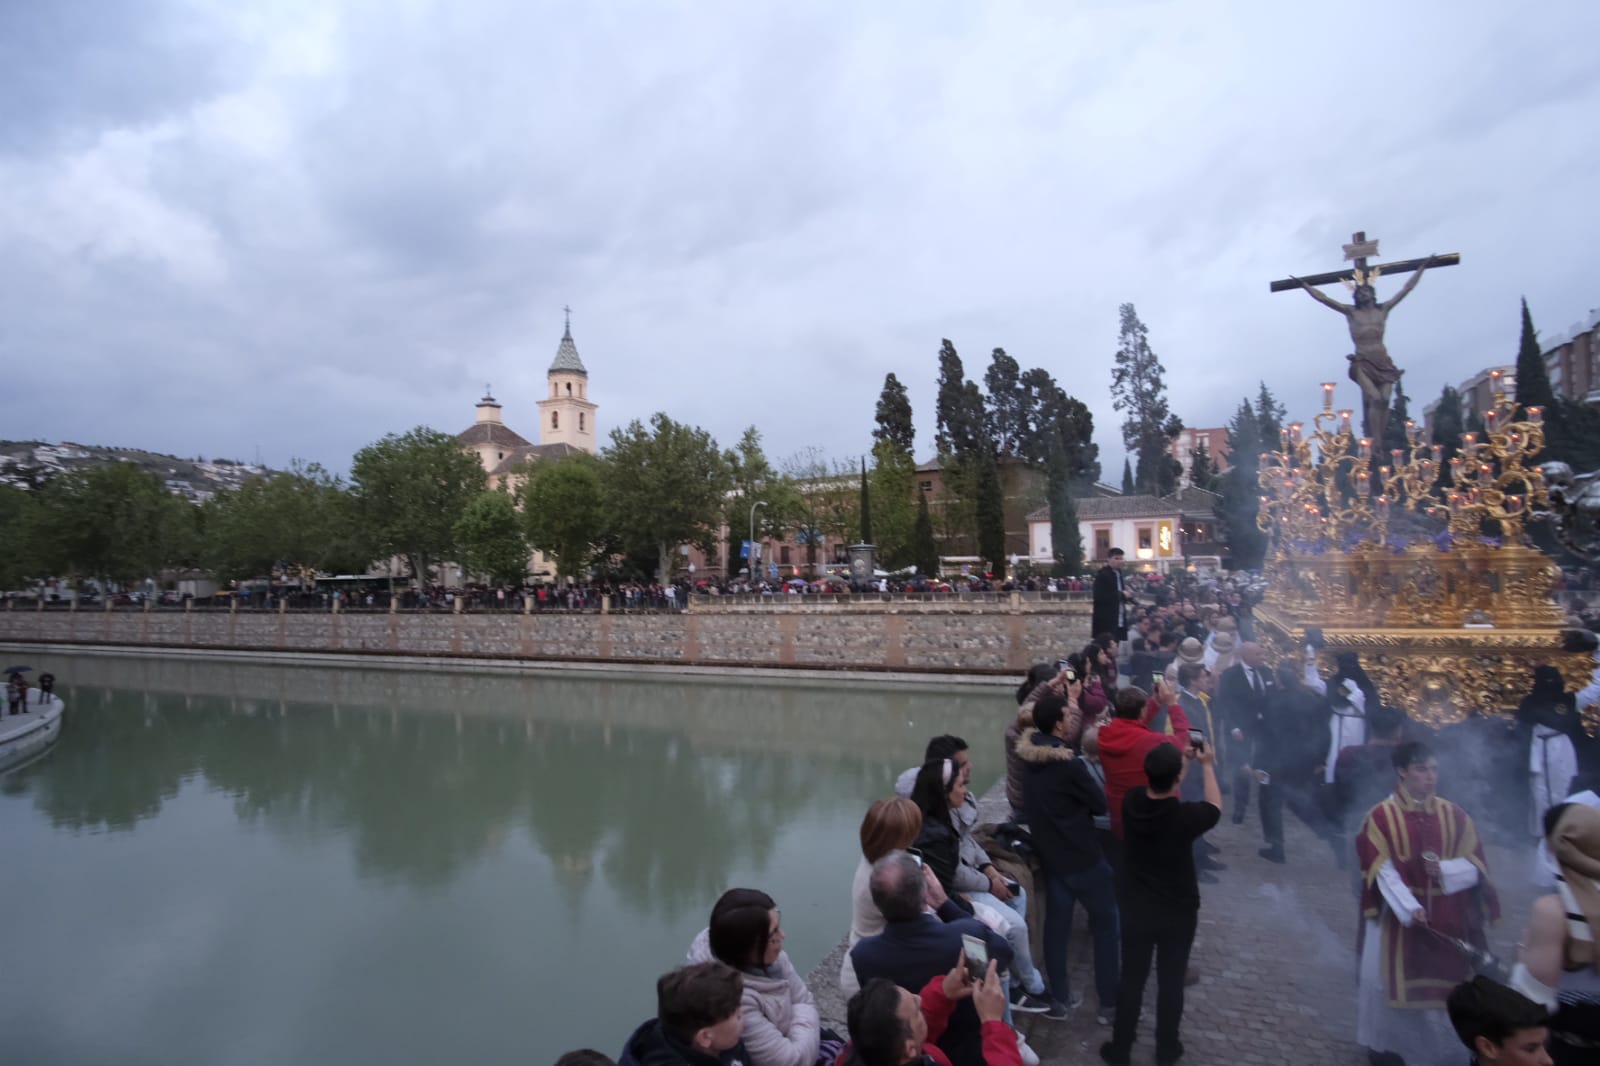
pixel 301 225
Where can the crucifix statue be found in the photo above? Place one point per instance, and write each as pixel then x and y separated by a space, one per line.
pixel 1370 365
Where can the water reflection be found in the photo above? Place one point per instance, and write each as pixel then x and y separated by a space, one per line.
pixel 654 786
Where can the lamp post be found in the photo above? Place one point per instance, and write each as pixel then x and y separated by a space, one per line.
pixel 752 553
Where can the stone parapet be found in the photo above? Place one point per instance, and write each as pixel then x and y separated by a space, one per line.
pixel 1003 636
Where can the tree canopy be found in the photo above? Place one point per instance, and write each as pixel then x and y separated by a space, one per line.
pixel 669 483
pixel 410 489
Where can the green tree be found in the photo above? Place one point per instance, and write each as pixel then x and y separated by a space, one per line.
pixel 1053 422
pixel 1066 539
pixel 925 548
pixel 1448 425
pixel 959 407
pixel 756 481
pixel 1269 416
pixel 991 514
pixel 1139 389
pixel 1005 405
pixel 1533 375
pixel 302 519
pixel 491 538
pixel 1394 431
pixel 894 508
pixel 1128 487
pixel 564 511
pixel 1200 471
pixel 17 525
pixel 668 487
pixel 1241 491
pixel 893 418
pixel 411 489
pixel 827 500
pixel 114 522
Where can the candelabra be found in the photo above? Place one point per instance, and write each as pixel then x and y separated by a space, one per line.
pixel 1448 607
pixel 1319 492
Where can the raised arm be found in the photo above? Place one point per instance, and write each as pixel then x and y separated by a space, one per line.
pixel 1410 284
pixel 1322 297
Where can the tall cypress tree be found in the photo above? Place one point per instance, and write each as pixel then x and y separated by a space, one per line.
pixel 894 417
pixel 1066 539
pixel 925 549
pixel 991 514
pixel 1533 376
pixel 1200 473
pixel 1139 390
pixel 1127 477
pixel 1448 425
pixel 1241 491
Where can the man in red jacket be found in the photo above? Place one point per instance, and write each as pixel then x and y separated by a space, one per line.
pixel 1128 738
pixel 891 1027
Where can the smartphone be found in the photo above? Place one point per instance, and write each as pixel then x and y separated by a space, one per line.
pixel 915 853
pixel 1197 739
pixel 1013 887
pixel 1155 679
pixel 977 955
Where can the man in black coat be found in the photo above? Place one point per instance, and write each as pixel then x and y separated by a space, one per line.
pixel 1111 598
pixel 1063 800
pixel 1288 749
pixel 916 946
pixel 1242 695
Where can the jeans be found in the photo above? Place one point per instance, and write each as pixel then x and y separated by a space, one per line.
pixel 1095 888
pixel 1167 934
pixel 1015 916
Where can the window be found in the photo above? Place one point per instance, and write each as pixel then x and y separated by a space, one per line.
pixel 927 486
pixel 1146 537
pixel 1102 543
pixel 580 421
pixel 499 455
pixel 783 554
pixel 569 388
pixel 555 419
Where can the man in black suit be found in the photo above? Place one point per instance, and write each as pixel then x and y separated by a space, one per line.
pixel 1111 598
pixel 1242 695
pixel 916 946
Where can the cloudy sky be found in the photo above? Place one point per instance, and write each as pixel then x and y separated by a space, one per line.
pixel 301 225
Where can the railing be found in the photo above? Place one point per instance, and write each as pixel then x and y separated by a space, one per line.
pixel 803 599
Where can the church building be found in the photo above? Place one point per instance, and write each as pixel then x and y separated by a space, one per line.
pixel 566 421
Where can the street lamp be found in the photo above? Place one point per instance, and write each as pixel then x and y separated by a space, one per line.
pixel 751 553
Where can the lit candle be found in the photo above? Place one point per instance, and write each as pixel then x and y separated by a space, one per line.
pixel 1489 417
pixel 1536 415
pixel 1438 453
pixel 1327 395
pixel 1363 481
pixel 1295 429
pixel 1366 447
pixel 1344 419
pixel 1497 383
pixel 1398 456
pixel 1468 440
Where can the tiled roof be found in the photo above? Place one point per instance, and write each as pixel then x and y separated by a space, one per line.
pixel 1190 501
pixel 495 433
pixel 533 451
pixel 566 360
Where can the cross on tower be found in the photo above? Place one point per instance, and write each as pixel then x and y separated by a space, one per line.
pixel 567 309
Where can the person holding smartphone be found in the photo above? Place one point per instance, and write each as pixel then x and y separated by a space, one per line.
pixel 1158 895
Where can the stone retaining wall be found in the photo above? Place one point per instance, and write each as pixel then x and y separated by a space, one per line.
pixel 969 638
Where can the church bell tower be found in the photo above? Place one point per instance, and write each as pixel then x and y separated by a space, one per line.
pixel 566 416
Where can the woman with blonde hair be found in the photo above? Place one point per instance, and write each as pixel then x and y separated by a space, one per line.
pixel 890 825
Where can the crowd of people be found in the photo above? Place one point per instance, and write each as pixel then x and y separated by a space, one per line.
pixel 1117 763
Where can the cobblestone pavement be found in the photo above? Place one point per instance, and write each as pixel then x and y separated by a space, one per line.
pixel 1276 955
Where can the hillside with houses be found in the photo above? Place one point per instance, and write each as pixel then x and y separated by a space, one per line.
pixel 28 464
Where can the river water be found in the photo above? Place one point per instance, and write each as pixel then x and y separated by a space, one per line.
pixel 229 863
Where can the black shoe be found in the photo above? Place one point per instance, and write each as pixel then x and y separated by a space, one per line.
pixel 1111 1056
pixel 1027 1003
pixel 1272 854
pixel 1205 878
pixel 1170 1056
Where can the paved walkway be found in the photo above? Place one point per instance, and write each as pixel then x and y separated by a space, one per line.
pixel 1276 953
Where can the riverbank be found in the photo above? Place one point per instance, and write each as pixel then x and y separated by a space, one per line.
pixel 890 639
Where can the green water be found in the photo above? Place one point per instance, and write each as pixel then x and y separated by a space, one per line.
pixel 244 864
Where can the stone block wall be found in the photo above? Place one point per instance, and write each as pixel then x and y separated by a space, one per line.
pixel 967 638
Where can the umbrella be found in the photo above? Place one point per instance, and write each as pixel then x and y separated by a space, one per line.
pixel 19 670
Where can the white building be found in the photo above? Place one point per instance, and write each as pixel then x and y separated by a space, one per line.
pixel 1156 532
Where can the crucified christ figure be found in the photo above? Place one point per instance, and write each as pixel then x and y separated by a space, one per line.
pixel 1370 365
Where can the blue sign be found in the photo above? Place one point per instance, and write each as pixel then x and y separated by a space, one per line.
pixel 772 571
pixel 744 549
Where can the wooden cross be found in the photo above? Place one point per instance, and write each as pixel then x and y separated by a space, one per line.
pixel 1358 250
